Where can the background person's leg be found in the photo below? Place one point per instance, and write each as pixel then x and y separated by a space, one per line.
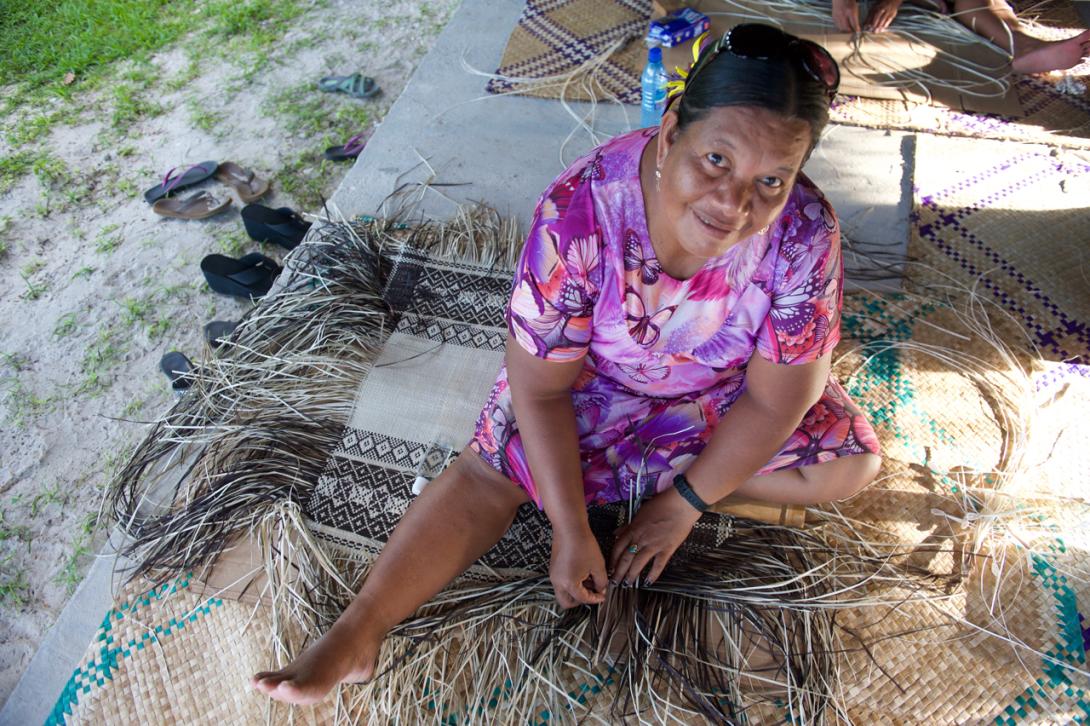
pixel 996 21
pixel 456 519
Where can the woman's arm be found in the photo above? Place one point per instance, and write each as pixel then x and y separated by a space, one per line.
pixel 772 405
pixel 541 394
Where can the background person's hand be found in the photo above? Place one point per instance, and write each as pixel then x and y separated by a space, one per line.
pixel 881 15
pixel 658 529
pixel 577 569
pixel 846 15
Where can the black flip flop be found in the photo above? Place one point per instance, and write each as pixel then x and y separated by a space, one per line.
pixel 281 226
pixel 176 182
pixel 249 276
pixel 217 331
pixel 178 369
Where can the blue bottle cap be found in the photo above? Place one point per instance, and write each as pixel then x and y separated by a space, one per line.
pixel 654 55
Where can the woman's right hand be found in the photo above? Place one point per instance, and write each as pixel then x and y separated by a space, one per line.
pixel 577 569
pixel 846 15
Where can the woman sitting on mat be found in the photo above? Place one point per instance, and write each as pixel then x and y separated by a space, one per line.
pixel 991 19
pixel 672 321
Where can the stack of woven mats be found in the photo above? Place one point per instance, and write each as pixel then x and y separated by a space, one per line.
pixel 954 589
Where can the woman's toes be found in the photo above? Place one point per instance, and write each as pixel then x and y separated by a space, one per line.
pixel 288 691
pixel 263 682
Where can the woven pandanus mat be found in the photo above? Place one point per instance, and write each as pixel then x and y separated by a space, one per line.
pixel 1010 644
pixel 1012 221
pixel 976 381
pixel 585 50
pixel 1011 632
pixel 554 38
pixel 167 655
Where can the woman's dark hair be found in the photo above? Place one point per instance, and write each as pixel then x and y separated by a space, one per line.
pixel 779 84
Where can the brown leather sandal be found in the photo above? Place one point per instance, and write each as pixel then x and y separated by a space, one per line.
pixel 248 186
pixel 198 206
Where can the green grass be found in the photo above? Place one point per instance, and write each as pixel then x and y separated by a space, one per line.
pixel 15 361
pixel 31 129
pixel 5 225
pixel 71 572
pixel 14 587
pixel 34 290
pixel 59 183
pixel 44 41
pixel 43 499
pixel 33 266
pixel 43 44
pixel 15 167
pixel 83 272
pixel 135 310
pixel 9 531
pixel 149 313
pixel 23 404
pixel 234 244
pixel 106 242
pixel 131 104
pixel 66 325
pixel 303 112
pixel 210 122
pixel 101 357
pixel 133 407
pixel 186 76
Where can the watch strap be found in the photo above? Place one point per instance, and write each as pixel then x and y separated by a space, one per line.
pixel 686 490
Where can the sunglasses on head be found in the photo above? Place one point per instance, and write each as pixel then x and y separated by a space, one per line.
pixel 763 42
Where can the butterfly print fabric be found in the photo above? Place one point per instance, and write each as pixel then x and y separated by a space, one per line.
pixel 664 359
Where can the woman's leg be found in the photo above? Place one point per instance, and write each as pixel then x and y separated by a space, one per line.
pixel 814 484
pixel 996 21
pixel 456 519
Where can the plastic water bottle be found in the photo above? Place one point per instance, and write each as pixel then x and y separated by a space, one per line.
pixel 652 89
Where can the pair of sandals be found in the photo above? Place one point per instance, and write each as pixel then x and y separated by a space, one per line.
pixel 202 204
pixel 252 276
pixel 358 86
pixel 176 365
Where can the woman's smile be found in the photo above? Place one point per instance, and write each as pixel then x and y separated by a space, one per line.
pixel 714 224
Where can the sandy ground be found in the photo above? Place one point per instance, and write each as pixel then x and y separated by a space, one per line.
pixel 93 292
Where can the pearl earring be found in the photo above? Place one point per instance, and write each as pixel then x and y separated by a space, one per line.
pixel 658 177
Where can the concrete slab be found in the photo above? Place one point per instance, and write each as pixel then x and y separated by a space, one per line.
pixel 506 150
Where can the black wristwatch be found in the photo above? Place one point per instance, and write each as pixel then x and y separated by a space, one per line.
pixel 686 490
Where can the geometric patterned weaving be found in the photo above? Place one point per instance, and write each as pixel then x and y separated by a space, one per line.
pixel 416 410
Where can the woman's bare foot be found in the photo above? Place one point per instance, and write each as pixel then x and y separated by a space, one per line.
pixel 1053 55
pixel 343 655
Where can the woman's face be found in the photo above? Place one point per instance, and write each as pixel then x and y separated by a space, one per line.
pixel 724 178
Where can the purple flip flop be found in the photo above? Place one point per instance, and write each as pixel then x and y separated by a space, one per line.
pixel 350 150
pixel 175 182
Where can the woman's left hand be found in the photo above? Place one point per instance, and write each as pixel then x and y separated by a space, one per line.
pixel 658 529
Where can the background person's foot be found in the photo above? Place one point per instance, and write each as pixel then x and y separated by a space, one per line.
pixel 336 658
pixel 1053 56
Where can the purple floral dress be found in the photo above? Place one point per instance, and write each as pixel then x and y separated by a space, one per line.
pixel 664 359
